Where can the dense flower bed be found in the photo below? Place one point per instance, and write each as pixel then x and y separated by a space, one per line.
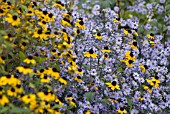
pixel 71 56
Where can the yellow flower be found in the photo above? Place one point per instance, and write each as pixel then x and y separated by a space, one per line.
pixel 133 45
pixel 58 101
pixel 65 22
pixel 67 16
pixel 151 36
pixel 143 67
pixel 2 60
pixel 39 34
pixel 64 45
pixel 12 92
pixel 98 36
pixel 28 98
pixel 54 73
pixel 24 70
pixel 76 31
pixel 43 24
pixel 63 80
pixel 154 82
pixel 125 31
pixel 79 72
pixel 122 111
pixel 29 60
pixel 8 37
pixel 127 62
pixel 78 79
pixel 88 112
pixel 45 79
pixel 113 85
pixel 80 24
pixel 106 50
pixel 48 96
pixel 59 5
pixel 147 88
pixel 117 20
pixel 90 54
pixel 3 100
pixel 13 19
pixel 129 55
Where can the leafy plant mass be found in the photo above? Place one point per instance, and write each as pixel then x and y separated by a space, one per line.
pixel 85 56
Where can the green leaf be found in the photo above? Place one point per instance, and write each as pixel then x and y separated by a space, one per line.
pixel 3 110
pixel 19 110
pixel 89 96
pixel 104 100
pixel 119 69
pixel 56 106
pixel 22 55
pixel 88 67
pixel 57 67
pixel 130 102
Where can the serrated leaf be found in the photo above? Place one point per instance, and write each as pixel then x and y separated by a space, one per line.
pixel 89 96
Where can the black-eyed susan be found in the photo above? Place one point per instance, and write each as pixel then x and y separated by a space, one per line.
pixel 2 12
pixel 88 112
pixel 8 37
pixel 43 24
pixel 28 98
pixel 80 24
pixel 24 70
pixel 129 55
pixel 98 36
pixel 76 31
pixel 128 62
pixel 54 73
pixel 47 96
pixel 63 80
pixel 143 67
pixel 113 85
pixel 134 45
pixel 65 22
pixel 2 60
pixel 12 92
pixel 122 111
pixel 3 100
pixel 78 79
pixel 64 46
pixel 79 71
pixel 59 5
pixel 106 49
pixel 57 101
pixel 67 15
pixel 90 54
pixel 150 36
pixel 154 81
pixel 9 79
pixel 152 43
pixel 39 33
pixel 18 88
pixel 148 88
pixel 29 60
pixel 116 20
pixel 45 79
pixel 14 20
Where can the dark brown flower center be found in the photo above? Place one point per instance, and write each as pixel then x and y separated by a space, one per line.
pixel 14 17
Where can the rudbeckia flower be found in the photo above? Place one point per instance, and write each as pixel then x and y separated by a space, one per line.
pixel 54 73
pixel 12 92
pixel 80 24
pixel 64 45
pixel 151 36
pixel 116 20
pixel 29 60
pixel 148 88
pixel 76 31
pixel 3 100
pixel 78 79
pixel 65 22
pixel 79 72
pixel 129 55
pixel 154 82
pixel 13 19
pixel 60 5
pixel 8 37
pixel 28 98
pixel 45 79
pixel 24 70
pixel 39 34
pixel 63 80
pixel 90 54
pixel 2 12
pixel 47 96
pixel 143 67
pixel 106 50
pixel 98 36
pixel 67 16
pixel 127 62
pixel 122 111
pixel 113 85
pixel 133 45
pixel 2 60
